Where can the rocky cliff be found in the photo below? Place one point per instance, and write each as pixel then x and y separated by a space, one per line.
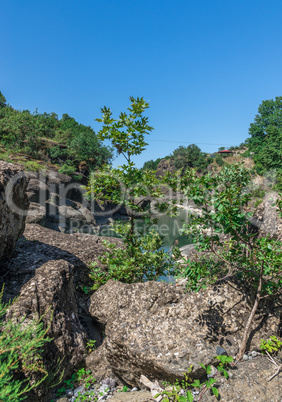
pixel 13 207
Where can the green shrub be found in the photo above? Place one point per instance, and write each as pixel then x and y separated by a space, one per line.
pixel 272 345
pixel 20 354
pixel 141 259
pixel 219 160
pixel 258 192
pixel 256 260
pixel 67 169
pixel 32 165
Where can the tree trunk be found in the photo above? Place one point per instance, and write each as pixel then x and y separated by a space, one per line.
pixel 249 322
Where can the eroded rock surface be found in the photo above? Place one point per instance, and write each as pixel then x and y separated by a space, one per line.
pixel 13 207
pixel 47 273
pixel 266 219
pixel 158 330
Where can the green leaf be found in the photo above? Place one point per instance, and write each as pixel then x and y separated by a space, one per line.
pixel 189 396
pixel 215 391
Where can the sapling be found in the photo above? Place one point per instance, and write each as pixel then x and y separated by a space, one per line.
pixel 237 251
pixel 142 257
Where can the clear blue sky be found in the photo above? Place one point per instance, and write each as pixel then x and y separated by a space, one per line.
pixel 205 66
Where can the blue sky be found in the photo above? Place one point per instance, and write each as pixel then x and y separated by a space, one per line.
pixel 205 66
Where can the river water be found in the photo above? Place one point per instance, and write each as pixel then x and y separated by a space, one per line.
pixel 167 227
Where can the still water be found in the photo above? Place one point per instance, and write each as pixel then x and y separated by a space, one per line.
pixel 167 227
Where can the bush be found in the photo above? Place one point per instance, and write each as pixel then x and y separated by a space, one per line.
pixel 67 169
pixel 258 193
pixel 20 348
pixel 141 259
pixel 32 165
pixel 219 160
pixel 239 252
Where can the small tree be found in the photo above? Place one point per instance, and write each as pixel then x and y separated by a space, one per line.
pixel 142 259
pixel 237 252
pixel 190 157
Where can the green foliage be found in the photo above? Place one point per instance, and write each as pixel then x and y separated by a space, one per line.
pixel 256 260
pixel 46 137
pixel 271 346
pixel 181 391
pixel 124 389
pixel 190 157
pixel 81 377
pixel 32 165
pixel 222 199
pixel 91 345
pixel 67 168
pixel 153 164
pixel 127 133
pixel 173 392
pixel 258 192
pixel 266 138
pixel 219 160
pixel 2 100
pixel 258 202
pixel 224 362
pixel 20 355
pixel 141 259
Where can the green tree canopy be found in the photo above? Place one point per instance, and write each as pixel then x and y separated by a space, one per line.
pixel 189 157
pixel 46 137
pixel 2 100
pixel 269 114
pixel 266 137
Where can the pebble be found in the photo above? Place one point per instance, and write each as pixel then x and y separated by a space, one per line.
pixel 213 372
pixel 104 388
pixel 134 389
pixel 245 357
pixel 69 393
pixel 220 351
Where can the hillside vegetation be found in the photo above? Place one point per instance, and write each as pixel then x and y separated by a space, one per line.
pixel 261 151
pixel 37 139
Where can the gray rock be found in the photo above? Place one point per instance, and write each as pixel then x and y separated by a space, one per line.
pixel 105 388
pixel 69 393
pixel 245 357
pixel 213 372
pixel 13 207
pixel 78 390
pixel 149 326
pixel 220 351
pixel 46 274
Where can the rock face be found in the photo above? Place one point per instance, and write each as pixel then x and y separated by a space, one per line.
pixel 158 330
pixel 266 219
pixel 164 166
pixel 47 273
pixel 51 293
pixel 58 202
pixel 13 207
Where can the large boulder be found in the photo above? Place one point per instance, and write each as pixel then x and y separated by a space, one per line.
pixel 51 294
pixel 13 207
pixel 47 275
pixel 158 330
